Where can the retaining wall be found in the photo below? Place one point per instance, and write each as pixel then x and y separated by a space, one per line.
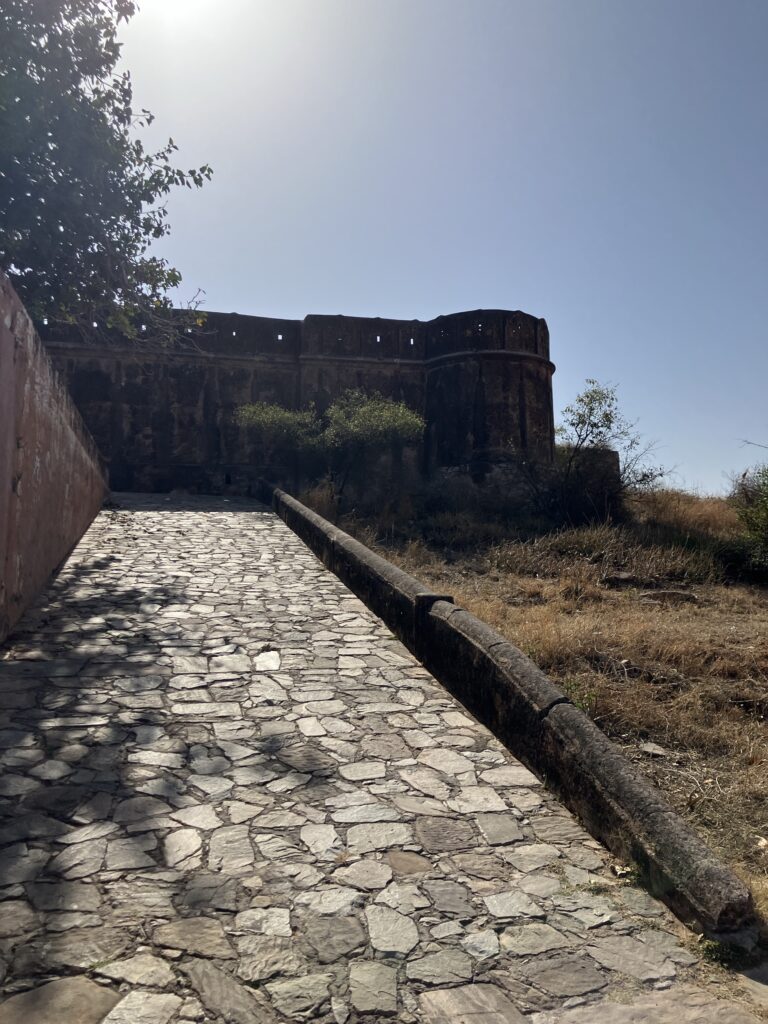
pixel 534 718
pixel 51 479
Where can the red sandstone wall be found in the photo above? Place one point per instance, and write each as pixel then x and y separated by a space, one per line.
pixel 51 479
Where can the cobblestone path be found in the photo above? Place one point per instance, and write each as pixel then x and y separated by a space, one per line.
pixel 229 794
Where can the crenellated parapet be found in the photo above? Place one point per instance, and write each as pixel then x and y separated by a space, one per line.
pixel 165 416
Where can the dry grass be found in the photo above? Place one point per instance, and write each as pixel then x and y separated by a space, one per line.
pixel 688 513
pixel 689 675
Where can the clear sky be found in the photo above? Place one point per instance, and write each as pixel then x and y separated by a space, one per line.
pixel 600 163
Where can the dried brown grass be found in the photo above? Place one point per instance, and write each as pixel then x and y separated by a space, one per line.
pixel 688 513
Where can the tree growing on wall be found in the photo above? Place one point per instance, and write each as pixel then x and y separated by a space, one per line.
pixel 81 198
pixel 356 431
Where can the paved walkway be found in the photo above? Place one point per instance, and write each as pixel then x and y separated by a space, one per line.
pixel 228 794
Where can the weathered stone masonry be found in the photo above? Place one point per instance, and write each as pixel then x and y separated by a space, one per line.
pixel 164 418
pixel 51 478
pixel 230 796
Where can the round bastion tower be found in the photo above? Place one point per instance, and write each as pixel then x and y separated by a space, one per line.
pixel 489 388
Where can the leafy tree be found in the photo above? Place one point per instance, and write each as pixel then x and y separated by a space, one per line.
pixel 361 427
pixel 81 199
pixel 594 420
pixel 282 435
pixel 600 456
pixel 356 429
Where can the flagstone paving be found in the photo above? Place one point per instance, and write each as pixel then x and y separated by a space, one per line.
pixel 228 794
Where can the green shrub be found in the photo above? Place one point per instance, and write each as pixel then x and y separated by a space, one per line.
pixel 360 428
pixel 348 441
pixel 750 498
pixel 279 431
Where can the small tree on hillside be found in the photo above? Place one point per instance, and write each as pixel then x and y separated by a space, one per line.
pixel 594 420
pixel 599 457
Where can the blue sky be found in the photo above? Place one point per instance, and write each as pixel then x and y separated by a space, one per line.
pixel 600 163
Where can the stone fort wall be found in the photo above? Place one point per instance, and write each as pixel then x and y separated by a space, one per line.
pixel 164 417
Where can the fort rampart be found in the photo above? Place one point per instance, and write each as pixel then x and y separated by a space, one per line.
pixel 163 417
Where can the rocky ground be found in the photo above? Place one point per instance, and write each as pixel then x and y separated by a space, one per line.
pixel 229 795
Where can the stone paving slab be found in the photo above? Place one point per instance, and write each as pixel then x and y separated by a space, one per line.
pixel 228 794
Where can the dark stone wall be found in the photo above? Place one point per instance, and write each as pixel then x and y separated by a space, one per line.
pixel 164 417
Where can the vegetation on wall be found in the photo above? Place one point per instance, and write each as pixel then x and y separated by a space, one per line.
pixel 81 198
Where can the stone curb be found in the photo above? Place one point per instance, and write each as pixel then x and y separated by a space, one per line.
pixel 505 691
pixel 399 599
